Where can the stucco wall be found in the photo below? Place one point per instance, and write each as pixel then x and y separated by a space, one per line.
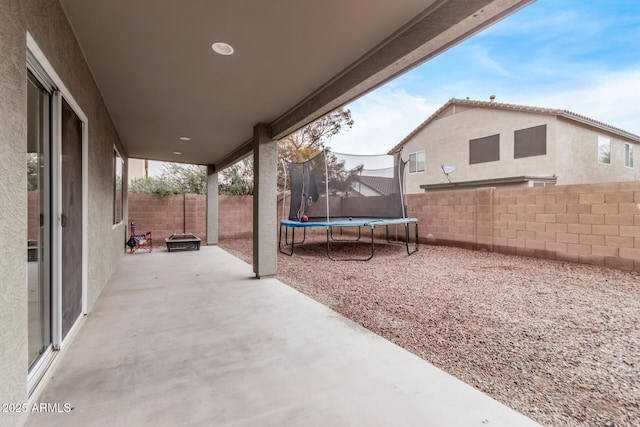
pixel 578 157
pixel 571 149
pixel 13 216
pixel 46 22
pixel 446 141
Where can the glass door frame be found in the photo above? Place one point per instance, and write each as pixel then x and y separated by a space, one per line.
pixel 46 245
pixel 40 67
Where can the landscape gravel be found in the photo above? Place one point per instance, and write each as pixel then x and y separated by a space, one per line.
pixel 558 342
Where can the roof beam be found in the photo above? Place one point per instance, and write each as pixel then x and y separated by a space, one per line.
pixel 243 151
pixel 439 27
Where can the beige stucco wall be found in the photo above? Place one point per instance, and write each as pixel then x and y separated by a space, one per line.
pixel 135 169
pixel 578 156
pixel 571 149
pixel 46 22
pixel 446 141
pixel 13 216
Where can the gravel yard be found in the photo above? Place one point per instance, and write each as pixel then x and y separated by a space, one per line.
pixel 558 342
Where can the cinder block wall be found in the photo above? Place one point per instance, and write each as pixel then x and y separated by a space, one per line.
pixel 235 217
pixel 187 213
pixel 195 215
pixel 594 224
pixel 165 215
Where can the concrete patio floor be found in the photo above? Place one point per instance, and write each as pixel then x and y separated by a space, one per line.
pixel 192 339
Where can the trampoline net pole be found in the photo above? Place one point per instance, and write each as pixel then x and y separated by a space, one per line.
pixel 284 187
pixel 400 182
pixel 326 181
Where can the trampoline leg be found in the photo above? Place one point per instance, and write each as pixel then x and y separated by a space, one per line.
pixel 395 241
pixel 407 234
pixel 329 238
pixel 280 245
pixel 293 242
pixel 344 240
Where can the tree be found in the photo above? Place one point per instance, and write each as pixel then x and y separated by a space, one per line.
pixel 186 178
pixel 298 146
pixel 154 185
pixel 237 180
pixel 32 171
pixel 307 142
pixel 175 178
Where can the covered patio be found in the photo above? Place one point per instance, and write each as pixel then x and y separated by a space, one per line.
pixel 191 338
pixel 187 338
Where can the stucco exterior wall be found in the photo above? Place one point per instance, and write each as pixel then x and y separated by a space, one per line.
pixel 48 25
pixel 13 216
pixel 578 156
pixel 572 149
pixel 446 141
pixel 135 167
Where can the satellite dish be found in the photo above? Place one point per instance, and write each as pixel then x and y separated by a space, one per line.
pixel 447 169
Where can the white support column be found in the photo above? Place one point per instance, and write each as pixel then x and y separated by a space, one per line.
pixel 265 160
pixel 212 206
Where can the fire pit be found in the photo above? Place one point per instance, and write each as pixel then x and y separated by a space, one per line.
pixel 184 242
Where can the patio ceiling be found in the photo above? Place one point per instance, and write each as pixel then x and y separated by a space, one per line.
pixel 294 61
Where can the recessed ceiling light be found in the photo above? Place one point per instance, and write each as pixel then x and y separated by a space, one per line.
pixel 185 138
pixel 177 152
pixel 222 48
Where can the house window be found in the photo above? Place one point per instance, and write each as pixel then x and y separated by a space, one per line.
pixel 118 195
pixel 484 150
pixel 530 142
pixel 628 155
pixel 604 150
pixel 416 162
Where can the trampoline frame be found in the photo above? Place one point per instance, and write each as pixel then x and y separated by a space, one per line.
pixel 347 222
pixel 330 222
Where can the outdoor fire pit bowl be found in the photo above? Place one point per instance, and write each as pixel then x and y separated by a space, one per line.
pixel 182 242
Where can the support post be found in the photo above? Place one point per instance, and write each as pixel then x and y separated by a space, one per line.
pixel 212 205
pixel 265 218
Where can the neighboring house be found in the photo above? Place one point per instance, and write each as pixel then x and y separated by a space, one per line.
pixel 373 186
pixel 496 144
pixel 137 168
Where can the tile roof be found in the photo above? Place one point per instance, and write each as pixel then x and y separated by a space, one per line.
pixel 381 184
pixel 524 108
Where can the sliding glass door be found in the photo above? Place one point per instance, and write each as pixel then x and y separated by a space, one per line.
pixel 56 214
pixel 39 103
pixel 71 217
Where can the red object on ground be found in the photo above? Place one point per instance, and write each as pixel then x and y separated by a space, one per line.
pixel 304 218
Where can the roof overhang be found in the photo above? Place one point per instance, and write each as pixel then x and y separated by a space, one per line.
pixel 293 62
pixel 489 182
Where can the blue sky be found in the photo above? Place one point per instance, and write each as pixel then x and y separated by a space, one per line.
pixel 582 56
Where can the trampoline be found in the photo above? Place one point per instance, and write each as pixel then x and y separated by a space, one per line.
pixel 341 191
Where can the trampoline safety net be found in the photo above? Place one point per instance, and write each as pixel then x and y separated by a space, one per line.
pixel 333 185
